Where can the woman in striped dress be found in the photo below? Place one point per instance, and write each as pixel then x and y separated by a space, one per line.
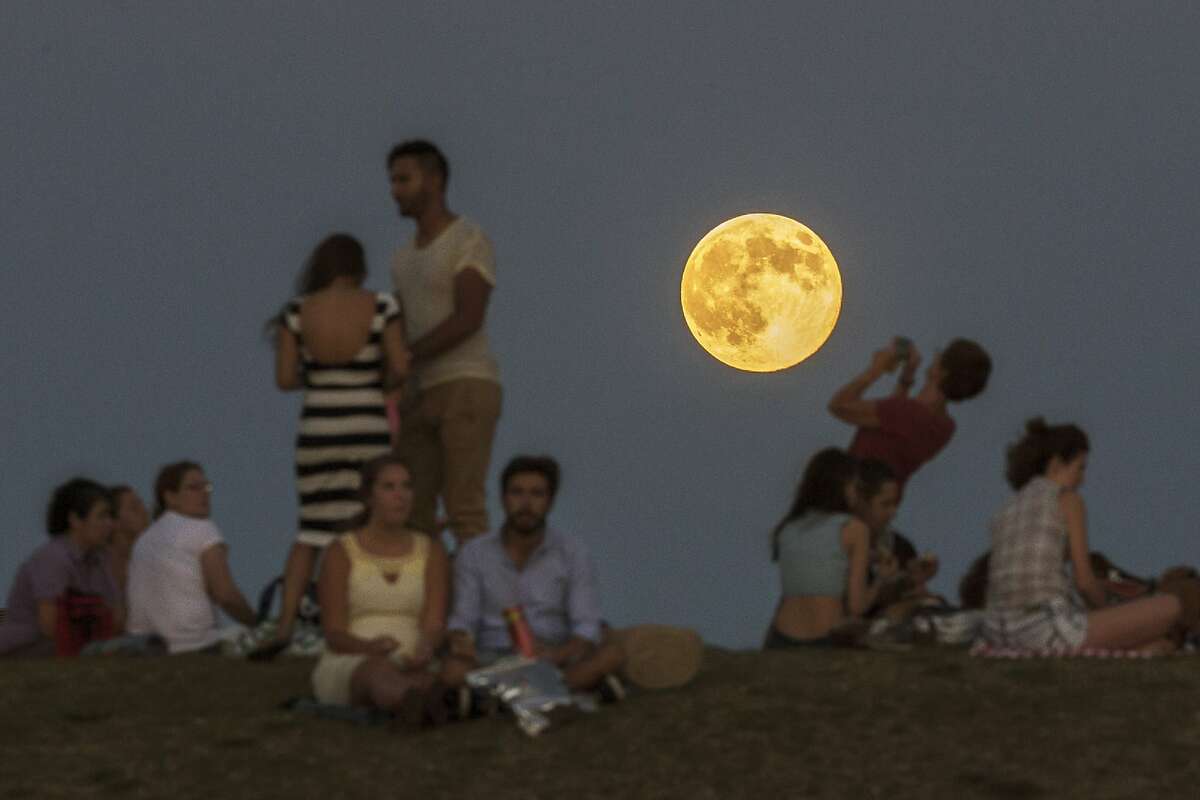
pixel 343 345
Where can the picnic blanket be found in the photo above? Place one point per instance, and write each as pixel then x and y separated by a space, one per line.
pixel 985 650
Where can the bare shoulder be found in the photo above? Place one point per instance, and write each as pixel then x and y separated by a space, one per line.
pixel 336 301
pixel 335 553
pixel 855 532
pixel 1070 501
pixel 1070 505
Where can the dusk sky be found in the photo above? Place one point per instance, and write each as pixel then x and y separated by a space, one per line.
pixel 1023 174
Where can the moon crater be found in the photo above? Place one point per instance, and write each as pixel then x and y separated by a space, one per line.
pixel 761 292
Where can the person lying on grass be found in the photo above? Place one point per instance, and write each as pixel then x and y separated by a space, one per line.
pixel 823 552
pixel 1031 602
pixel 383 591
pixel 79 520
pixel 550 575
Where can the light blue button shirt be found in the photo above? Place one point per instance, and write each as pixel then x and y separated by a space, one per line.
pixel 557 588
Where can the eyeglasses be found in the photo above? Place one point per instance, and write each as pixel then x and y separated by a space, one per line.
pixel 198 487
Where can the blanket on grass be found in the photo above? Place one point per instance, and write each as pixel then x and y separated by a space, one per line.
pixel 985 650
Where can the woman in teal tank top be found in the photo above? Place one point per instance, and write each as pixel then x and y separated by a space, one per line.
pixel 823 553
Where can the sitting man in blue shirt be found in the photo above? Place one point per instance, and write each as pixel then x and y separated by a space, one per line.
pixel 548 574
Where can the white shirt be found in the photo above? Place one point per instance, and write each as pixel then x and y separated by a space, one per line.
pixel 424 282
pixel 166 586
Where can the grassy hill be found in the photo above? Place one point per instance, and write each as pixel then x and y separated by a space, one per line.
pixel 928 723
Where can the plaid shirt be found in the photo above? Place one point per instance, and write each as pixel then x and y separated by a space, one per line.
pixel 1029 540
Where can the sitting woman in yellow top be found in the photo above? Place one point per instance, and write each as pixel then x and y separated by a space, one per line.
pixel 823 552
pixel 383 591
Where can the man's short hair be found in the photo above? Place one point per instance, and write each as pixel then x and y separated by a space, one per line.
pixel 545 466
pixel 427 155
pixel 965 370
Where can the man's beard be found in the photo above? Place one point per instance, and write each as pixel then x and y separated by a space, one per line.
pixel 525 524
pixel 413 209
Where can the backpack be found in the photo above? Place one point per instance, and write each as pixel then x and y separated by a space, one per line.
pixel 82 618
pixel 309 612
pixel 256 642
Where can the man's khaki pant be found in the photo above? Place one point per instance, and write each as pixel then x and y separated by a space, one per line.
pixel 446 438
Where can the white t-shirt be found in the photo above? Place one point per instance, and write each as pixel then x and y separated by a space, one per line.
pixel 166 585
pixel 424 281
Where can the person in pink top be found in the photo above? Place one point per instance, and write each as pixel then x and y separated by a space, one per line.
pixel 906 432
pixel 902 431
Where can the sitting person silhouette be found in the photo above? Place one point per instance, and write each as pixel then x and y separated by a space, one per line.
pixel 1031 601
pixel 824 553
pixel 79 520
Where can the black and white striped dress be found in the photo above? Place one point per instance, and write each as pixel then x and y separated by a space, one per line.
pixel 343 425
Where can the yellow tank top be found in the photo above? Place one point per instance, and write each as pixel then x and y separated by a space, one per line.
pixel 386 594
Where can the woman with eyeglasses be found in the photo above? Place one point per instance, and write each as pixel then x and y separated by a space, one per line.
pixel 179 569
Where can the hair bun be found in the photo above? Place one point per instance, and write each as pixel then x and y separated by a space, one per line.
pixel 1037 427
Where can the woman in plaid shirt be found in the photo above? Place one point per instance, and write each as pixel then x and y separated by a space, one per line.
pixel 1032 602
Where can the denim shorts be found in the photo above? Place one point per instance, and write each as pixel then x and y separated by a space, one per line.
pixel 781 641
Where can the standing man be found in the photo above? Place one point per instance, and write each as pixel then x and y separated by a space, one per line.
pixel 905 432
pixel 443 279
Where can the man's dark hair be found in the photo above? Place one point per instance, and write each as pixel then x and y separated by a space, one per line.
pixel 966 367
pixel 77 496
pixel 426 153
pixel 545 466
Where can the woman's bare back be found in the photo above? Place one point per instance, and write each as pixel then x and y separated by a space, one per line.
pixel 335 324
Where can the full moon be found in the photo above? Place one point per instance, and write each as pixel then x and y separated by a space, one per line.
pixel 761 292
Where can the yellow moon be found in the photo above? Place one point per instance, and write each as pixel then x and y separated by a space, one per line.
pixel 761 292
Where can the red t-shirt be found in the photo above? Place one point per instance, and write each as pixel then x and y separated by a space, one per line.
pixel 909 434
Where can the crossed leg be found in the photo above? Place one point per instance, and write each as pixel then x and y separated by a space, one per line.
pixel 381 683
pixel 1140 624
pixel 584 674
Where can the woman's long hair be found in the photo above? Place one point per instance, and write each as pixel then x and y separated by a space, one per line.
pixel 337 255
pixel 823 488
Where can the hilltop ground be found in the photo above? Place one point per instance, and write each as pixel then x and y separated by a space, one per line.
pixel 928 723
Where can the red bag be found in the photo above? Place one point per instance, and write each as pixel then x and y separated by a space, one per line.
pixel 82 618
